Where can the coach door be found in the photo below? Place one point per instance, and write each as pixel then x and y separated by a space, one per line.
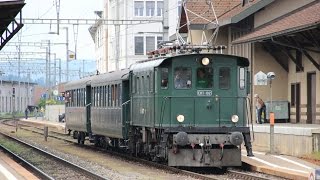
pixel 225 99
pixel 88 108
pixel 125 106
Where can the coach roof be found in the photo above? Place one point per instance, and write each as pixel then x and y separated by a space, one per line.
pixel 109 77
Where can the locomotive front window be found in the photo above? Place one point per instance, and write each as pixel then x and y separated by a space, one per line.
pixel 164 78
pixel 182 78
pixel 224 78
pixel 204 77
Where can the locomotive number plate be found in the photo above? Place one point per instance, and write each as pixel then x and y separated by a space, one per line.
pixel 204 93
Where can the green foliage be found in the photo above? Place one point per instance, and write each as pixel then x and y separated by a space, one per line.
pixel 51 101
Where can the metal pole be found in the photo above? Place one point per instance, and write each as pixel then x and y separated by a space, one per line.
pixel 55 70
pixel 49 69
pixel 47 79
pixel 28 102
pixel 59 71
pixel 19 75
pixel 271 117
pixel 67 53
pixel 165 22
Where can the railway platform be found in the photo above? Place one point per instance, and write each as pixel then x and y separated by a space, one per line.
pixel 54 126
pixel 10 170
pixel 280 165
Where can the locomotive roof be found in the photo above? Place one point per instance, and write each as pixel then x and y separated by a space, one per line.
pixel 152 63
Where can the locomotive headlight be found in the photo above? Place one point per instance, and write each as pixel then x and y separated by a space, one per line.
pixel 180 118
pixel 234 118
pixel 205 61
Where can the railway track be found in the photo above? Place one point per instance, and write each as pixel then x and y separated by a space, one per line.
pixel 230 173
pixel 44 164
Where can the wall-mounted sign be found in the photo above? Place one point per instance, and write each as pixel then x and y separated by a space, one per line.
pixel 260 78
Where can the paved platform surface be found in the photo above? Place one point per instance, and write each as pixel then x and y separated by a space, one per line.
pixel 10 170
pixel 279 165
pixel 54 126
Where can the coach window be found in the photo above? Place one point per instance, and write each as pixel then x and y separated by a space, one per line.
pixel 138 90
pixel 182 78
pixel 164 78
pixel 84 97
pixel 104 96
pixel 92 95
pixel 242 80
pixel 119 94
pixel 109 95
pixel 142 85
pixel 116 95
pixel 224 78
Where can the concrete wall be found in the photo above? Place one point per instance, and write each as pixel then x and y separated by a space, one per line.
pixel 293 141
pixel 52 112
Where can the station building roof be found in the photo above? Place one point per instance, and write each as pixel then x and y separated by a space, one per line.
pixel 9 9
pixel 226 11
pixel 304 18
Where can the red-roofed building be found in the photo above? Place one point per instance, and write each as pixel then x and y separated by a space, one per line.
pixel 277 36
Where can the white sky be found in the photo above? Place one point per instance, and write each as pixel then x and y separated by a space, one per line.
pixel 69 9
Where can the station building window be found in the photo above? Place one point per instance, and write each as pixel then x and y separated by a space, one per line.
pixel 138 8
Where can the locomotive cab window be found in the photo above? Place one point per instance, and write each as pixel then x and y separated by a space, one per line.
pixel 182 78
pixel 204 77
pixel 241 78
pixel 224 78
pixel 164 78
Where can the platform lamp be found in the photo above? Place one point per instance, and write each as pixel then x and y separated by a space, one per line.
pixel 271 76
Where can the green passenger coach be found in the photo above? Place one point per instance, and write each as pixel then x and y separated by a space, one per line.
pixel 184 109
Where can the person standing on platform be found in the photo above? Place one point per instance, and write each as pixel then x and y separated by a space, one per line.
pixel 26 113
pixel 261 108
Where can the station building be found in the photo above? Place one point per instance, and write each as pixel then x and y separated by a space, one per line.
pixel 277 36
pixel 14 100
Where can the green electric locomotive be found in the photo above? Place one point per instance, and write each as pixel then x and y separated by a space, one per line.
pixel 182 107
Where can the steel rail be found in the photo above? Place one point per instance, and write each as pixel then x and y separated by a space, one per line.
pixel 67 163
pixel 26 164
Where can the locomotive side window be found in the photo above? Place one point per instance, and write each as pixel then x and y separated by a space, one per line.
pixel 182 78
pixel 204 77
pixel 242 81
pixel 164 78
pixel 224 78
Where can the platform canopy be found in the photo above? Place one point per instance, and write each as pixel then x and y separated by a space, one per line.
pixel 9 9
